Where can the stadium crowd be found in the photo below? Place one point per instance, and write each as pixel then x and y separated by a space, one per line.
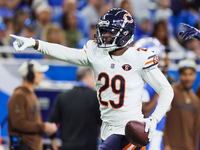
pixel 72 22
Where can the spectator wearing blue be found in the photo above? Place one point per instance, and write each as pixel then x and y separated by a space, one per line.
pixel 3 40
pixel 84 40
pixel 4 10
pixel 71 6
pixel 163 12
pixel 91 11
pixel 2 29
pixel 57 3
pixel 9 29
pixel 144 25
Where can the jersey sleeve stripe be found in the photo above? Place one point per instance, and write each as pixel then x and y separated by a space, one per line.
pixel 151 56
pixel 150 66
pixel 148 62
pixel 84 50
pixel 127 146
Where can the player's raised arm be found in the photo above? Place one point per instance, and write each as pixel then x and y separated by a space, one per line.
pixel 190 32
pixel 71 55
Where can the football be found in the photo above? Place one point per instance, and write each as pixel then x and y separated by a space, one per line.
pixel 135 133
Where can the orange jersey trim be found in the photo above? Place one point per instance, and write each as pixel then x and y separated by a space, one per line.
pixel 127 146
pixel 148 62
pixel 84 50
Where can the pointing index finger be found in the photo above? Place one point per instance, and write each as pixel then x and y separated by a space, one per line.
pixel 186 26
pixel 14 36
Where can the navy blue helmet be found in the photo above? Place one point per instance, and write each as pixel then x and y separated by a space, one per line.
pixel 121 26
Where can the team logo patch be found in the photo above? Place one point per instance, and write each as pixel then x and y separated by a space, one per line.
pixel 126 67
pixel 112 66
pixel 155 59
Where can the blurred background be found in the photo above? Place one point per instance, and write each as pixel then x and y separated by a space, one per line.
pixel 72 23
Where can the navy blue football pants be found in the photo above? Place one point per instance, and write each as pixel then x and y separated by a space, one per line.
pixel 118 142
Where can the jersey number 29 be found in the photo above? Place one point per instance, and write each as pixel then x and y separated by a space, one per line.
pixel 119 91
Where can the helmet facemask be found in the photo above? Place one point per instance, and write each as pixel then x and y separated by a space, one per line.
pixel 118 37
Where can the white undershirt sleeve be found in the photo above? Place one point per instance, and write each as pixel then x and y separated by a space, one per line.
pixel 155 78
pixel 63 53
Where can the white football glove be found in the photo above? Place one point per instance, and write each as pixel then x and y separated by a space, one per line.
pixel 150 126
pixel 21 43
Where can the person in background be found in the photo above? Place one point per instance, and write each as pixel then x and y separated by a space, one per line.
pixel 3 40
pixel 72 34
pixel 9 30
pixel 71 6
pixel 54 34
pixel 77 111
pixel 19 19
pixel 193 49
pixel 29 29
pixel 4 10
pixel 43 14
pixel 182 121
pixel 84 40
pixel 2 31
pixel 126 5
pixel 160 32
pixel 144 25
pixel 104 8
pixel 164 12
pixel 25 126
pixel 91 11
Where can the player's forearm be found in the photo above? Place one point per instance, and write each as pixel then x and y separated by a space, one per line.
pixel 160 84
pixel 71 55
pixel 164 101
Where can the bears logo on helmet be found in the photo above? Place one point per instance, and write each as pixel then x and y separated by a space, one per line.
pixel 120 24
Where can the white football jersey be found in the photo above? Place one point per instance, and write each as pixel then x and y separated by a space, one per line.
pixel 119 82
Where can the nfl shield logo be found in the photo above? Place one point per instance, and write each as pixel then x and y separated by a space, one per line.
pixel 112 66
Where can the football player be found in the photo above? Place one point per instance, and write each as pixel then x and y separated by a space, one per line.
pixel 120 74
pixel 190 32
